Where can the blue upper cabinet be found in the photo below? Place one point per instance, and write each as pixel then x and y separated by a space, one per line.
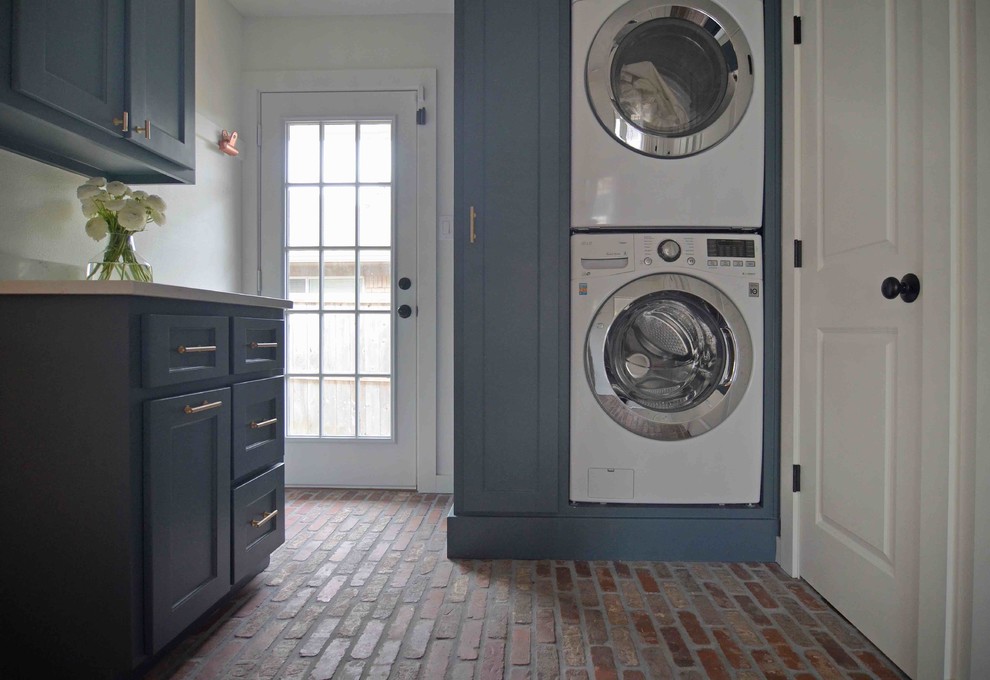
pixel 162 89
pixel 100 87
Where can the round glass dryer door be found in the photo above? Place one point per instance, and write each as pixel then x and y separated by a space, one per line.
pixel 667 79
pixel 668 356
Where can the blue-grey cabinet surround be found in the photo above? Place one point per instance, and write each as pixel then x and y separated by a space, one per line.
pixel 511 359
pixel 136 506
pixel 70 69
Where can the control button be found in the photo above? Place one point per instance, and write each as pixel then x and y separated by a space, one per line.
pixel 669 250
pixel 647 261
pixel 690 260
pixel 712 263
pixel 725 263
pixel 750 263
pixel 737 263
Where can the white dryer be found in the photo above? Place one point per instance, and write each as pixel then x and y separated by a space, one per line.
pixel 667 114
pixel 666 368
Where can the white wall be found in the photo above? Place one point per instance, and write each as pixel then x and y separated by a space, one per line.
pixel 201 244
pixel 382 42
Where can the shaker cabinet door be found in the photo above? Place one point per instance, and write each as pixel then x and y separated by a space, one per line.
pixel 161 61
pixel 187 509
pixel 70 56
pixel 510 227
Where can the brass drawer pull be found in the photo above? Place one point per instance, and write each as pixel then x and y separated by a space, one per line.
pixel 264 520
pixel 474 215
pixel 144 129
pixel 263 345
pixel 205 406
pixel 264 423
pixel 182 349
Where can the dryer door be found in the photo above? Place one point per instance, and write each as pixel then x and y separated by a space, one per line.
pixel 669 79
pixel 668 356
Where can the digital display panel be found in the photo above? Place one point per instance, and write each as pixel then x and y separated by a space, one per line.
pixel 727 247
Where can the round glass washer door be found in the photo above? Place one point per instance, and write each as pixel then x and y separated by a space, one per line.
pixel 668 356
pixel 669 80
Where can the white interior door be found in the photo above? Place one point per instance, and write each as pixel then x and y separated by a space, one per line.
pixel 862 190
pixel 338 238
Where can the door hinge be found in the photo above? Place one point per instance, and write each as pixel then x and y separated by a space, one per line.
pixel 421 116
pixel 259 135
pixel 259 281
pixel 797 30
pixel 798 254
pixel 796 479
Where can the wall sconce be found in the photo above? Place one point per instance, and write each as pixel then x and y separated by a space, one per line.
pixel 228 142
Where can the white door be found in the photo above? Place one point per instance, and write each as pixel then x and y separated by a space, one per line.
pixel 338 238
pixel 862 191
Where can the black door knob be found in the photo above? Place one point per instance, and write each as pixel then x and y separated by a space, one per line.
pixel 405 311
pixel 909 287
pixel 404 283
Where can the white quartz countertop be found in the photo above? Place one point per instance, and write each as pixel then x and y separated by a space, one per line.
pixel 158 290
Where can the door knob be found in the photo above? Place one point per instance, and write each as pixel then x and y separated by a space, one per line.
pixel 405 311
pixel 909 287
pixel 405 283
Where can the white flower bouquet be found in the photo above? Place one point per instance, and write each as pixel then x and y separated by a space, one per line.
pixel 114 210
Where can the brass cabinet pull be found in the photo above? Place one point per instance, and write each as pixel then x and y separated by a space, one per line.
pixel 264 423
pixel 264 520
pixel 474 236
pixel 145 129
pixel 205 406
pixel 182 349
pixel 122 122
pixel 264 345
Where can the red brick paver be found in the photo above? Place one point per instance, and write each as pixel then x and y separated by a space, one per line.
pixel 362 588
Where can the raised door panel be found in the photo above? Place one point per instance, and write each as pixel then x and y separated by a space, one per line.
pixel 508 371
pixel 70 56
pixel 187 509
pixel 161 54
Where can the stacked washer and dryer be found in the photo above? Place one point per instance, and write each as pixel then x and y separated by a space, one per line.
pixel 667 160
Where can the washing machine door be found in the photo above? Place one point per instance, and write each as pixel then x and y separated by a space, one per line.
pixel 669 79
pixel 668 356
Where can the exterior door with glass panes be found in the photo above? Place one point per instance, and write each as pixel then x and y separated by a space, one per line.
pixel 338 239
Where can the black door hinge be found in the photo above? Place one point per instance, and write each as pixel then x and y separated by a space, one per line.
pixel 421 116
pixel 798 256
pixel 797 30
pixel 796 479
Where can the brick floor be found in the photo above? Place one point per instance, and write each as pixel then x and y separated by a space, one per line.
pixel 362 588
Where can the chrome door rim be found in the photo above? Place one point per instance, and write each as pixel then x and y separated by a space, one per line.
pixel 678 424
pixel 739 86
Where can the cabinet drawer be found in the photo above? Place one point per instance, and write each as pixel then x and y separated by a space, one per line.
pixel 257 345
pixel 180 349
pixel 259 425
pixel 258 511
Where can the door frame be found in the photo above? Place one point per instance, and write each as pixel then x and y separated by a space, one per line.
pixel 424 83
pixel 947 578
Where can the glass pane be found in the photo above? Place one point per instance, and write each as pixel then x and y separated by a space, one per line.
pixel 339 213
pixel 375 286
pixel 304 343
pixel 375 162
pixel 375 343
pixel 670 77
pixel 304 278
pixel 375 216
pixel 303 216
pixel 338 152
pixel 338 407
pixel 375 415
pixel 303 162
pixel 338 279
pixel 338 343
pixel 303 406
pixel 665 351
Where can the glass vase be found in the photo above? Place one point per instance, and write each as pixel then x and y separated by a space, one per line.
pixel 119 261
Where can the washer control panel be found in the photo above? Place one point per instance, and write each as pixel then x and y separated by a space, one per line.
pixel 730 254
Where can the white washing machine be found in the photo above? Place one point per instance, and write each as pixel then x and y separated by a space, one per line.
pixel 667 114
pixel 666 368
